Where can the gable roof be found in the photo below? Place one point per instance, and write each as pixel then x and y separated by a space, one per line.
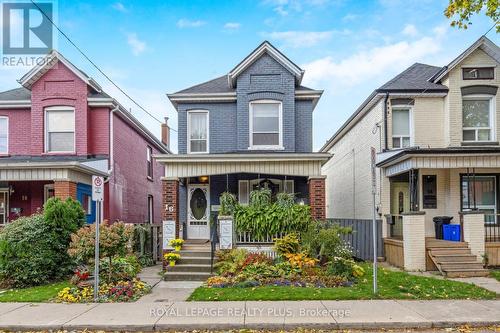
pixel 414 78
pixel 52 58
pixel 483 43
pixel 265 48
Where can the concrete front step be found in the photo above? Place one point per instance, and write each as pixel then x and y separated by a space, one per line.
pixel 195 261
pixel 190 268
pixel 186 276
pixel 196 254
pixel 467 273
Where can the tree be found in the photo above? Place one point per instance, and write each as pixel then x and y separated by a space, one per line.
pixel 461 11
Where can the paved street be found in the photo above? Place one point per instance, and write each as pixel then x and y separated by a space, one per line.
pixel 141 316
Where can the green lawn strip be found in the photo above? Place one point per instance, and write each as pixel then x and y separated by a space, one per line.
pixel 495 273
pixel 392 285
pixel 34 294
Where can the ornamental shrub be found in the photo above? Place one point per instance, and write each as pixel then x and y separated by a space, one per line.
pixel 326 242
pixel 33 249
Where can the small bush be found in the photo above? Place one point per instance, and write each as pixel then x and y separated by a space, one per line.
pixel 289 244
pixel 121 269
pixel 33 250
pixel 228 203
pixel 346 268
pixel 325 242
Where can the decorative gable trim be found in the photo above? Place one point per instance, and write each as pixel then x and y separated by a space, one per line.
pixel 47 63
pixel 483 43
pixel 268 48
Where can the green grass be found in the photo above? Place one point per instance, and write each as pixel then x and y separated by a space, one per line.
pixel 495 273
pixel 391 284
pixel 34 294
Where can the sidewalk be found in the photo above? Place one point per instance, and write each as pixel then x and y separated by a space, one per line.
pixel 163 316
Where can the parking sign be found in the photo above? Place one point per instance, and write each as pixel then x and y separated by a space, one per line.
pixel 97 188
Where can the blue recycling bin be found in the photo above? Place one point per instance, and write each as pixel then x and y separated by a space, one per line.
pixel 451 232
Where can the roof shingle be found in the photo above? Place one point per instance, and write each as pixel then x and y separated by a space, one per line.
pixel 414 78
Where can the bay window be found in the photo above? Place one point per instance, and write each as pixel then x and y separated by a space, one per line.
pixel 197 132
pixel 401 127
pixel 477 118
pixel 59 129
pixel 4 135
pixel 266 124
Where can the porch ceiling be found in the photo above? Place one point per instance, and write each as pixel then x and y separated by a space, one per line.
pixel 290 164
pixel 448 161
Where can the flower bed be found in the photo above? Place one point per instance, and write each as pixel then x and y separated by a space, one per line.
pixel 121 291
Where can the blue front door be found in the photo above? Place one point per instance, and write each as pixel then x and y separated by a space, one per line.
pixel 84 196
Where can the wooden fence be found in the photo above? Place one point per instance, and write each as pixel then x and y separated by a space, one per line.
pixel 361 239
pixel 148 240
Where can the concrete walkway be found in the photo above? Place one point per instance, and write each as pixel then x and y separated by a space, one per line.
pixel 171 291
pixel 151 275
pixel 161 316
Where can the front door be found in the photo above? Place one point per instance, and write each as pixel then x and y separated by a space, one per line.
pixel 198 212
pixel 400 198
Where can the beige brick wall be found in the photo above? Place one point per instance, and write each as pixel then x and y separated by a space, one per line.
pixel 348 175
pixel 473 228
pixel 454 82
pixel 414 242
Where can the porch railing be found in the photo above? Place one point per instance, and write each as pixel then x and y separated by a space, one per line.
pixel 395 226
pixel 492 227
pixel 248 238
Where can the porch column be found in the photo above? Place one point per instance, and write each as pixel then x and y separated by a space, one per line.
pixel 170 205
pixel 473 229
pixel 414 241
pixel 317 199
pixel 64 189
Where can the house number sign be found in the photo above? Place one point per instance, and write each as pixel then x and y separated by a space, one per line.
pixel 168 233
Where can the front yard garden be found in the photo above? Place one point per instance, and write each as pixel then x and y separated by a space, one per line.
pixel 312 261
pixel 50 257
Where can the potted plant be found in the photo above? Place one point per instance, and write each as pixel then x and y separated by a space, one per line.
pixel 176 243
pixel 172 258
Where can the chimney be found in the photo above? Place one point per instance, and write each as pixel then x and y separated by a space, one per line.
pixel 165 133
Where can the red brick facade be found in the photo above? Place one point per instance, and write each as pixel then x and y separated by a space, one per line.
pixel 317 197
pixel 64 189
pixel 170 209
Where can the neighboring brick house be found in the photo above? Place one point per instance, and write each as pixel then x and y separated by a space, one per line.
pixel 58 130
pixel 250 128
pixel 436 131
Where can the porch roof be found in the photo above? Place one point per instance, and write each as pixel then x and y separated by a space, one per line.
pixel 396 162
pixel 77 171
pixel 290 164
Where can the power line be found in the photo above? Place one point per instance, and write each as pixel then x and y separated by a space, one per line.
pixel 97 67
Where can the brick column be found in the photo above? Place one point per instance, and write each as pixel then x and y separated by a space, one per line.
pixel 170 209
pixel 473 229
pixel 414 241
pixel 317 197
pixel 64 189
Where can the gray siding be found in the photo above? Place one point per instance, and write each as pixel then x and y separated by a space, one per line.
pixel 229 122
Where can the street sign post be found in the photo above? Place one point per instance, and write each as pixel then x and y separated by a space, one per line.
pixel 374 222
pixel 98 197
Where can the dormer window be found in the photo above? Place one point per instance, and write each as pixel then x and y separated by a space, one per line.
pixel 266 125
pixel 478 73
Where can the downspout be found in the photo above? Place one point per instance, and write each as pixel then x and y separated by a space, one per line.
pixel 386 139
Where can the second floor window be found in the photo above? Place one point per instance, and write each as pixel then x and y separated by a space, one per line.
pixel 4 135
pixel 59 129
pixel 477 119
pixel 265 124
pixel 401 128
pixel 149 159
pixel 197 131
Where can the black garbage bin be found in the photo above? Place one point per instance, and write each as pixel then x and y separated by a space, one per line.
pixel 439 221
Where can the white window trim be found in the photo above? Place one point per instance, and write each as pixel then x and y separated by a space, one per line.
pixel 149 160
pixel 189 131
pixel 242 183
pixel 288 184
pixel 410 126
pixel 45 128
pixel 7 151
pixel 280 121
pixel 492 118
pixel 46 189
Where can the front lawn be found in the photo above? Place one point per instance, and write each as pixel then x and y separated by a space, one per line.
pixel 33 294
pixel 495 273
pixel 392 285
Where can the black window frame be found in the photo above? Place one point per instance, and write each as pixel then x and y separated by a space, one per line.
pixel 427 201
pixel 465 69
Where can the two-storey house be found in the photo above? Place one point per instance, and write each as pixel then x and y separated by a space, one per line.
pixel 58 130
pixel 248 129
pixel 437 132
